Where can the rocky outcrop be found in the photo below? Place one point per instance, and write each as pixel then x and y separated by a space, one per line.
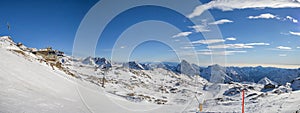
pixel 188 69
pixel 133 65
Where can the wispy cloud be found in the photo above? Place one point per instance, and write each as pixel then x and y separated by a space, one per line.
pixel 200 28
pixel 222 21
pixel 204 50
pixel 232 52
pixel 282 55
pixel 228 5
pixel 177 40
pixel 257 44
pixel 272 16
pixel 298 47
pixel 210 41
pixel 292 19
pixel 284 33
pixel 219 52
pixel 238 45
pixel 295 33
pixel 182 34
pixel 264 16
pixel 188 47
pixel 231 38
pixel 284 48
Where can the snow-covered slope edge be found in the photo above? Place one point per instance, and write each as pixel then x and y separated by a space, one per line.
pixel 30 86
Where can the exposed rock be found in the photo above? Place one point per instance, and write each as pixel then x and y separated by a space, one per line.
pixel 133 65
pixel 266 81
pixel 99 62
pixel 188 69
pixel 232 91
pixel 296 84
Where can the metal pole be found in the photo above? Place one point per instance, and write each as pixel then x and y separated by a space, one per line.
pixel 243 101
pixel 200 104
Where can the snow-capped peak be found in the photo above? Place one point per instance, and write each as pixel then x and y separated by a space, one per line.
pixel 134 65
pixel 89 61
pixel 99 62
pixel 188 69
pixel 6 41
pixel 266 81
pixel 8 38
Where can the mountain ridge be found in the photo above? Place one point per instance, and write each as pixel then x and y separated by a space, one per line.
pixel 165 87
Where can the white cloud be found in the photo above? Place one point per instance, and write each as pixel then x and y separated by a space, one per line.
pixel 200 28
pixel 231 38
pixel 257 44
pixel 298 47
pixel 271 16
pixel 232 52
pixel 238 45
pixel 292 19
pixel 229 46
pixel 283 33
pixel 219 52
pixel 222 21
pixel 204 50
pixel 210 41
pixel 282 55
pixel 123 47
pixel 284 48
pixel 295 33
pixel 188 47
pixel 265 16
pixel 182 34
pixel 228 5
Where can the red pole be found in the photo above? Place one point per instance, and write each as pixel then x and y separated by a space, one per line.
pixel 243 101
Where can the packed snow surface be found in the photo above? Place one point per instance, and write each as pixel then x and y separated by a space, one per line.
pixel 31 85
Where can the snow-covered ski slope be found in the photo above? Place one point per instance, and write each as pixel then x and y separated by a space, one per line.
pixel 30 86
pixel 27 86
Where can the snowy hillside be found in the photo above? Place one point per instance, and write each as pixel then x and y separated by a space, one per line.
pixel 46 81
pixel 29 86
pixel 228 74
pixel 254 74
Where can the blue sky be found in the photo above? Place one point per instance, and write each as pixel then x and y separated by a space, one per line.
pixel 260 34
pixel 42 23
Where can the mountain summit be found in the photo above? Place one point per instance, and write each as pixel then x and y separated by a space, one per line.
pixel 134 65
pixel 99 62
pixel 188 69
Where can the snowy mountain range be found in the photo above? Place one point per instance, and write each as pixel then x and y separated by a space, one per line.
pixel 99 62
pixel 231 74
pixel 46 80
